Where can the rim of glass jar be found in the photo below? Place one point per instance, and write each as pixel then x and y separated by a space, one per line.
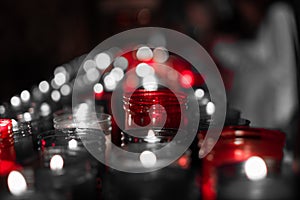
pixel 142 96
pixel 45 139
pixel 231 132
pixel 67 120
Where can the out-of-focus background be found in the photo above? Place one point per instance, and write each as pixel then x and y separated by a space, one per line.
pixel 253 42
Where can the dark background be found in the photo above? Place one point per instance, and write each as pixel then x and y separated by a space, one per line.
pixel 38 35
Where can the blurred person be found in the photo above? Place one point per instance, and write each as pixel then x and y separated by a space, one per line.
pixel 264 86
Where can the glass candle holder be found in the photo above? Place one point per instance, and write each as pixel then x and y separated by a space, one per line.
pixel 236 145
pixel 160 108
pixel 88 126
pixel 143 140
pixel 7 150
pixel 24 138
pixel 93 121
pixel 67 165
pixel 69 172
pixel 72 139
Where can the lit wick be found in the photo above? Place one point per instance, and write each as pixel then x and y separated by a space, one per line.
pixel 56 163
pixel 16 183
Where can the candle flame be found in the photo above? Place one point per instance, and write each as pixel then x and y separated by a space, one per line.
pixel 56 163
pixel 16 183
pixel 148 159
pixel 255 168
pixel 72 144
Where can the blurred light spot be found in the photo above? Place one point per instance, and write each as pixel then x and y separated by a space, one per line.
pixel 210 108
pixel 121 62
pixel 60 79
pixel 238 141
pixel 187 79
pixel 255 168
pixel 15 101
pixel 89 64
pixel 144 53
pixel 143 70
pixel 72 144
pixel 160 55
pixel 65 90
pixel 44 86
pixel 148 159
pixel 150 83
pixel 45 109
pixel 25 96
pixel 27 117
pixel 15 125
pixel 183 161
pixel 56 163
pixel 55 95
pixel 2 109
pixel 103 60
pixel 16 183
pixel 98 88
pixel 110 82
pixel 199 93
pixel 93 75
pixel 117 73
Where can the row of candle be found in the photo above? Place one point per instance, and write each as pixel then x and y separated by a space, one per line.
pixel 60 163
pixel 152 118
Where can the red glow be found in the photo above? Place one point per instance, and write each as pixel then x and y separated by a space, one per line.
pixel 5 128
pixel 187 79
pixel 183 162
pixel 7 166
pixel 43 143
pixel 98 95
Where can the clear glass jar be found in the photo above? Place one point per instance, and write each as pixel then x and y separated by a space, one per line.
pixel 94 121
pixel 82 173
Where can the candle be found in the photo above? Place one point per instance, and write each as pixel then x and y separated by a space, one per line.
pixel 70 171
pixel 20 186
pixel 161 108
pixel 236 145
pixel 24 141
pixel 7 150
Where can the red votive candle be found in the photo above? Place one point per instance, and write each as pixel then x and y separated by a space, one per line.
pixel 7 150
pixel 144 108
pixel 237 144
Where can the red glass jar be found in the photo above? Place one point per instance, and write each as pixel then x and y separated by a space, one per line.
pixel 144 108
pixel 7 150
pixel 235 145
